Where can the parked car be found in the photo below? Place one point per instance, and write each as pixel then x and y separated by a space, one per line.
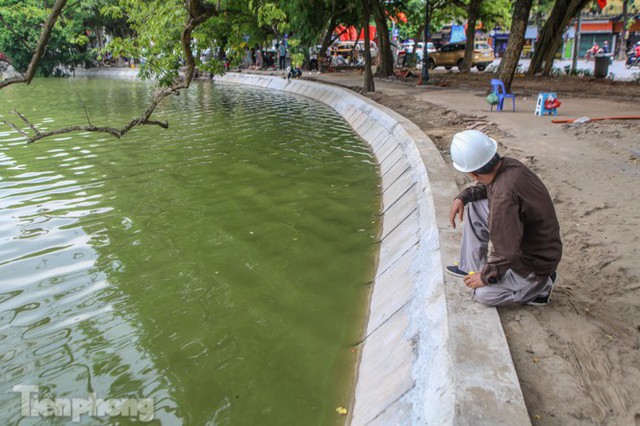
pixel 452 54
pixel 409 47
pixel 345 49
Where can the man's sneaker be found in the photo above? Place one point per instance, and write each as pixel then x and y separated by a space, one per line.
pixel 456 272
pixel 544 300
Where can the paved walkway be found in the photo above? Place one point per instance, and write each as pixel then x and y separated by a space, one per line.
pixel 617 69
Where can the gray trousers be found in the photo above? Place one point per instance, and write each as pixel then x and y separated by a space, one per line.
pixel 512 288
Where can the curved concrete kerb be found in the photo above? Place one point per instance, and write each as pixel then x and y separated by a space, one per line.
pixel 430 355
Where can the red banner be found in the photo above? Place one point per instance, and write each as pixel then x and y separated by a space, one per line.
pixel 602 3
pixel 351 33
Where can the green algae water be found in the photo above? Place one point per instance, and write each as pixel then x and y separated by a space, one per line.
pixel 212 273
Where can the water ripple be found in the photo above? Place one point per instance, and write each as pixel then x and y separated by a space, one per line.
pixel 213 266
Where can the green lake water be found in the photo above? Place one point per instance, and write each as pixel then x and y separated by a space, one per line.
pixel 219 268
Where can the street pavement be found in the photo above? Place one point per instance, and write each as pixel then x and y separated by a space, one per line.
pixel 617 70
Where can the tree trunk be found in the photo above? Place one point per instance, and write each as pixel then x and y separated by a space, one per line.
pixel 385 59
pixel 622 46
pixel 326 41
pixel 368 74
pixel 551 36
pixel 474 12
pixel 511 56
pixel 353 55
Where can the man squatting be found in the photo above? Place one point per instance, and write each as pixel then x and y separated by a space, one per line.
pixel 511 236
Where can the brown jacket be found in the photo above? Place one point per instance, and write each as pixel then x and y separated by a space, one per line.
pixel 524 232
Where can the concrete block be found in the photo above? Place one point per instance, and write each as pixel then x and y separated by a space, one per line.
pixel 369 131
pixel 393 191
pixel 398 413
pixel 349 112
pixel 392 174
pixel 323 96
pixel 359 120
pixel 392 290
pixel 401 209
pixel 387 150
pixel 398 240
pixel 379 142
pixel 395 156
pixel 366 126
pixel 385 372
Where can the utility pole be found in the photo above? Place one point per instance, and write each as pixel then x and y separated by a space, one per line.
pixel 425 51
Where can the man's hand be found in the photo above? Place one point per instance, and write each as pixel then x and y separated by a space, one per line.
pixel 457 208
pixel 473 280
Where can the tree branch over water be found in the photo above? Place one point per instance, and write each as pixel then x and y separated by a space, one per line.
pixel 198 12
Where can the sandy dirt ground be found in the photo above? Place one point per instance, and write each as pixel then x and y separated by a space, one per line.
pixel 578 359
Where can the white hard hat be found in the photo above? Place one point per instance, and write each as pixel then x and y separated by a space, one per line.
pixel 471 150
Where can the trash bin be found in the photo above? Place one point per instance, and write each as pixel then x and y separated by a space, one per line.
pixel 601 66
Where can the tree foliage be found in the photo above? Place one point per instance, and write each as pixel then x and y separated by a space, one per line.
pixel 194 14
pixel 22 20
pixel 73 39
pixel 170 38
pixel 443 12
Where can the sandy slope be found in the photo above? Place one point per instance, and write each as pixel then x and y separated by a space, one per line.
pixel 578 359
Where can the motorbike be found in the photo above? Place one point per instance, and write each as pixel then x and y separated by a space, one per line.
pixel 632 60
pixel 591 55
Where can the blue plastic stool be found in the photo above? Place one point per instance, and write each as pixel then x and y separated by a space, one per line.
pixel 540 109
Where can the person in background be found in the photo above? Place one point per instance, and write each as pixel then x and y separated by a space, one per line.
pixel 591 53
pixel 337 60
pixel 313 59
pixel 293 72
pixel 259 58
pixel 511 243
pixel 282 55
pixel 605 47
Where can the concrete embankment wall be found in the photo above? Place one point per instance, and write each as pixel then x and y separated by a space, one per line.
pixel 430 355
